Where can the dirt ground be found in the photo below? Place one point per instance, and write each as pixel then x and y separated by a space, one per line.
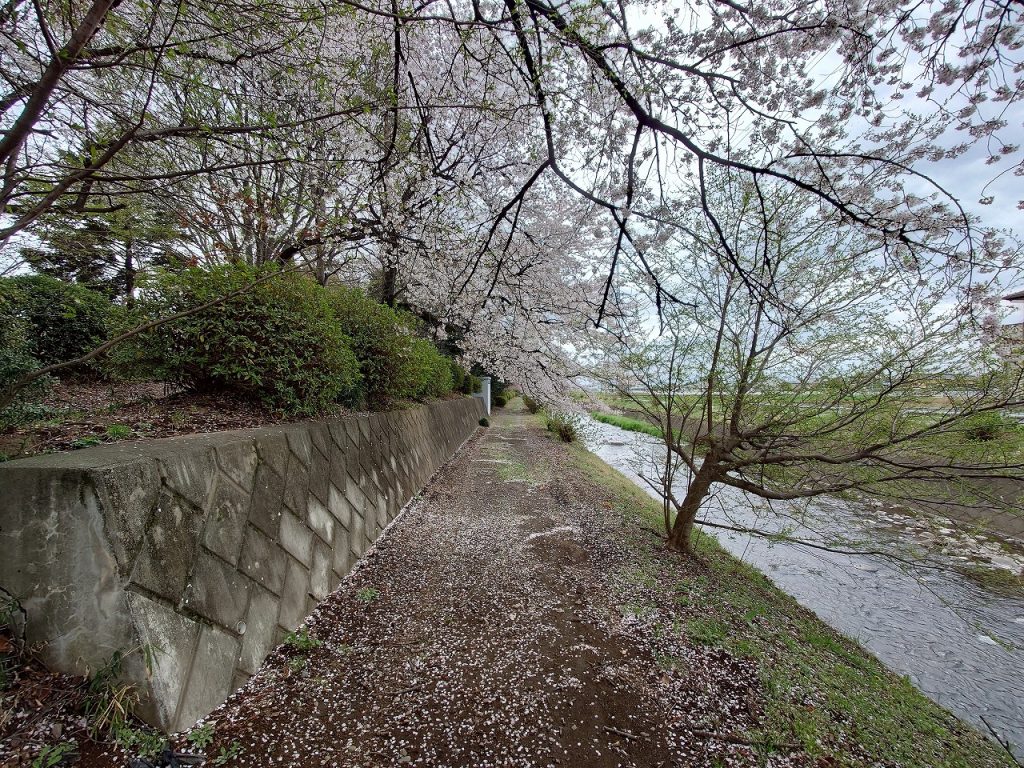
pixel 79 415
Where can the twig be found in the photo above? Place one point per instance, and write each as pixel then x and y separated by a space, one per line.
pixel 620 750
pixel 1002 742
pixel 618 732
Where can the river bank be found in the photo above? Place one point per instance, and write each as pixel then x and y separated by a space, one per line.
pixel 997 507
pixel 958 641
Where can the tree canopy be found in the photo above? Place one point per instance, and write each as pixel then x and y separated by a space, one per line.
pixel 805 368
pixel 504 164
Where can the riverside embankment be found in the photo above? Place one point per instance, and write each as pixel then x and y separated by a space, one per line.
pixel 961 644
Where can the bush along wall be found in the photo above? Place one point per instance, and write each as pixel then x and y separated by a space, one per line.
pixel 463 381
pixel 44 321
pixel 56 321
pixel 289 342
pixel 395 362
pixel 276 341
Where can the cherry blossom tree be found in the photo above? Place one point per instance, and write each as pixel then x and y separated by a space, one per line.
pixel 445 146
pixel 83 86
pixel 811 364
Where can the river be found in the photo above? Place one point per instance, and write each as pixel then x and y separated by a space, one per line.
pixel 962 645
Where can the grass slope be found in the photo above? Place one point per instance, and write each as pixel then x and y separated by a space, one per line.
pixel 820 689
pixel 625 422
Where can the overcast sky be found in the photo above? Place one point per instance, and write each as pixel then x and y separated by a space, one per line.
pixel 967 177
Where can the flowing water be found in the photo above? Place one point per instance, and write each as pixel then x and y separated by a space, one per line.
pixel 961 645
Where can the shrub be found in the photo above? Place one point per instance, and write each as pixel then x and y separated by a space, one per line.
pixel 484 422
pixel 471 385
pixel 459 375
pixel 380 340
pixel 531 405
pixel 15 361
pixel 427 371
pixel 463 381
pixel 58 321
pixel 563 426
pixel 499 400
pixel 395 363
pixel 277 341
pixel 985 427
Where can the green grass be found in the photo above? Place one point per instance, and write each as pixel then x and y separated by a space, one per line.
pixel 624 422
pixel 995 579
pixel 301 640
pixel 515 471
pixel 368 594
pixel 706 631
pixel 819 688
pixel 623 402
pixel 984 438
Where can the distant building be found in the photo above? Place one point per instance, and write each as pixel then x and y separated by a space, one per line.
pixel 1011 335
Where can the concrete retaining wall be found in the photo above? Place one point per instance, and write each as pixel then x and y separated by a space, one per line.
pixel 206 547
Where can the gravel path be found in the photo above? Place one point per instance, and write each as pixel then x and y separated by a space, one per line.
pixel 482 631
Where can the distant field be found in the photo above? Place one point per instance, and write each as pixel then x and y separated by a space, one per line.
pixel 983 439
pixel 993 503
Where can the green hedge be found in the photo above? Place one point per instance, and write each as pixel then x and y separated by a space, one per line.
pixel 396 363
pixel 379 340
pixel 277 341
pixel 428 372
pixel 459 375
pixel 16 360
pixel 288 342
pixel 50 320
pixel 44 321
pixel 463 381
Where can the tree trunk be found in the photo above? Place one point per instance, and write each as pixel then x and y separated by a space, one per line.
pixel 680 536
pixel 129 273
pixel 388 287
pixel 320 267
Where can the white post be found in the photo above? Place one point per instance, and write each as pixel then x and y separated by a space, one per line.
pixel 485 393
